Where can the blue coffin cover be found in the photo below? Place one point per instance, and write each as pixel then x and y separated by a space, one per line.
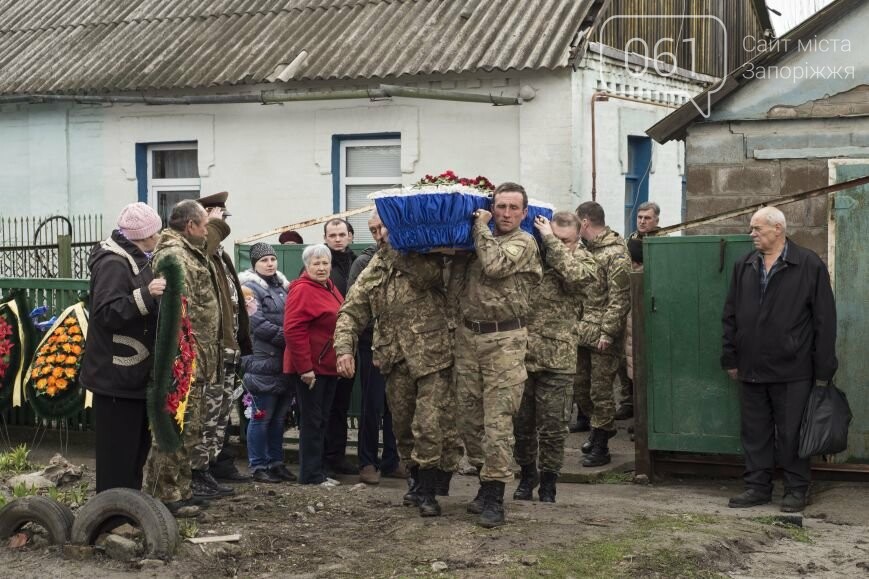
pixel 420 219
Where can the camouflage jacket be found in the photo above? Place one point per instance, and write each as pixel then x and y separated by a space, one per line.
pixel 203 304
pixel 494 283
pixel 608 301
pixel 555 303
pixel 405 296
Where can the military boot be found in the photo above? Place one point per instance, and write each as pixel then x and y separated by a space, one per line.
pixel 586 446
pixel 411 498
pixel 527 484
pixel 475 507
pixel 493 505
pixel 442 483
pixel 600 453
pixel 428 504
pixel 547 486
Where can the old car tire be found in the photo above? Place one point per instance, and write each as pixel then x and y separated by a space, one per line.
pixel 54 517
pixel 111 507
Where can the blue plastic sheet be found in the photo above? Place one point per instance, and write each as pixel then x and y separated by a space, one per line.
pixel 421 222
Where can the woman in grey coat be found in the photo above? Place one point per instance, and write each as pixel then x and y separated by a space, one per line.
pixel 263 372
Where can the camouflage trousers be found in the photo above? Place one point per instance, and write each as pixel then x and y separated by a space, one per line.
pixel 168 474
pixel 422 418
pixel 490 377
pixel 218 400
pixel 542 420
pixel 593 388
pixel 624 392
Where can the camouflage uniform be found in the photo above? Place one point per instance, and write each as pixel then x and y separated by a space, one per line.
pixel 551 357
pixel 404 295
pixel 236 330
pixel 168 475
pixel 604 312
pixel 492 285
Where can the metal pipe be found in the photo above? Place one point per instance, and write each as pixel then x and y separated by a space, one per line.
pixel 269 97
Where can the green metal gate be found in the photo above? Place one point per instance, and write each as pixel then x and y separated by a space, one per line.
pixel 692 405
pixel 851 282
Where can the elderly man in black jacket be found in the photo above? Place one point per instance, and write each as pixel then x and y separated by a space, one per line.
pixel 779 340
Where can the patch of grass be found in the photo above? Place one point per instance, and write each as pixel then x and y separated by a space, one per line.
pixel 72 497
pixel 794 532
pixel 629 553
pixel 612 478
pixel 188 528
pixel 21 490
pixel 15 461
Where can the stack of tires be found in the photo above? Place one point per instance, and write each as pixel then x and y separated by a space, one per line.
pixel 104 512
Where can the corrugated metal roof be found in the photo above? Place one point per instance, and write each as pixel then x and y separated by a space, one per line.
pixel 134 45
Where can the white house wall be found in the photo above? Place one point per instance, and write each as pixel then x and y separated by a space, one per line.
pixel 71 159
pixel 616 120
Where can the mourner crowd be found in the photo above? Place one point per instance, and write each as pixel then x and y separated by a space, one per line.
pixel 479 353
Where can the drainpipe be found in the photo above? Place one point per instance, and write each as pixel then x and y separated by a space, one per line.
pixel 383 91
pixel 603 96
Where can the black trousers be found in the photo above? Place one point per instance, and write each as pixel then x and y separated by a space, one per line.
pixel 336 431
pixel 314 406
pixel 771 417
pixel 375 416
pixel 123 441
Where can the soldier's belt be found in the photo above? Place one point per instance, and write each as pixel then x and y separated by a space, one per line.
pixel 491 327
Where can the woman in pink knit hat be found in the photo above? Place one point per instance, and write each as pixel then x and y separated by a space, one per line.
pixel 124 298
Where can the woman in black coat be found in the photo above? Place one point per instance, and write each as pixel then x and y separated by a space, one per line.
pixel 263 370
pixel 116 364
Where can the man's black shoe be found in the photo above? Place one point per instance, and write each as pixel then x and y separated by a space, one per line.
pixel 343 467
pixel 625 412
pixel 227 472
pixel 266 476
pixel 749 498
pixel 183 509
pixel 201 488
pixel 586 446
pixel 442 483
pixel 411 497
pixel 529 481
pixel 282 472
pixel 475 507
pixel 547 487
pixel 600 453
pixel 428 504
pixel 583 424
pixel 793 501
pixel 493 505
pixel 222 490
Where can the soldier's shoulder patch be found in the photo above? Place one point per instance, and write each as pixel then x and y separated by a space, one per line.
pixel 513 250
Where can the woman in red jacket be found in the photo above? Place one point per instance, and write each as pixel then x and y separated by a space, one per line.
pixel 309 324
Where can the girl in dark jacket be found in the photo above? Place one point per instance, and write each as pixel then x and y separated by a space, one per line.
pixel 263 376
pixel 309 324
pixel 116 363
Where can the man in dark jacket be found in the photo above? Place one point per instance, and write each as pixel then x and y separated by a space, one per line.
pixel 116 363
pixel 338 235
pixel 779 340
pixel 236 343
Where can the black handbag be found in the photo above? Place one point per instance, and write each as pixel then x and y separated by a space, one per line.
pixel 824 429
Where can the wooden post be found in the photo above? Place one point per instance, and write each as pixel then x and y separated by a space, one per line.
pixel 643 461
pixel 64 256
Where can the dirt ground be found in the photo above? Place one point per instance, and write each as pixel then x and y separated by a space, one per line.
pixel 673 529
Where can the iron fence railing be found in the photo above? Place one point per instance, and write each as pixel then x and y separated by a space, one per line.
pixel 48 247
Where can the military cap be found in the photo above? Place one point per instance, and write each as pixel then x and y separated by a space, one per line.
pixel 216 200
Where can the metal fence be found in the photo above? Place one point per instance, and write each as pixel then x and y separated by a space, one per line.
pixel 48 247
pixel 56 295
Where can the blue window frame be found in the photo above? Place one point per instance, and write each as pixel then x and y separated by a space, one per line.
pixel 637 179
